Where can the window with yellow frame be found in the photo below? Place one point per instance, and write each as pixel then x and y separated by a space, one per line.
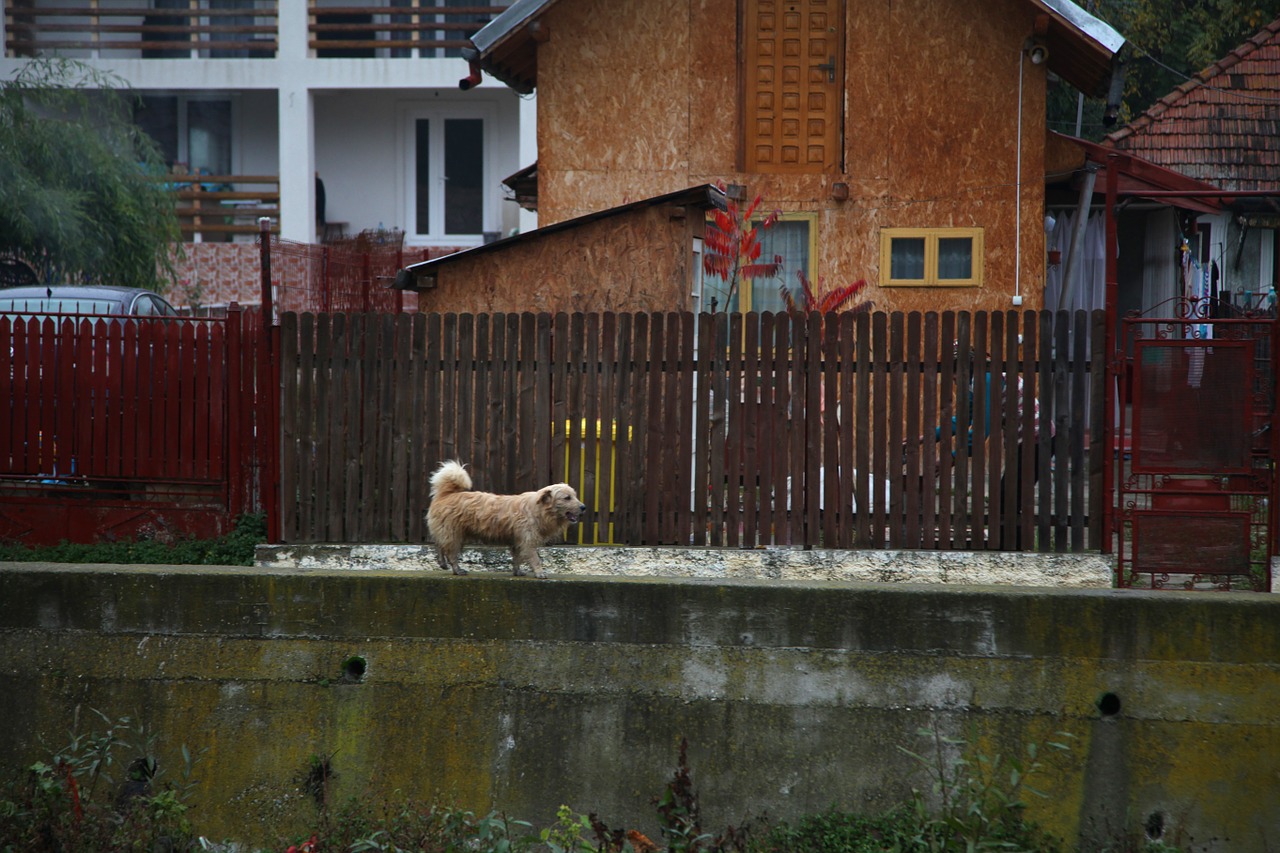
pixel 795 238
pixel 931 257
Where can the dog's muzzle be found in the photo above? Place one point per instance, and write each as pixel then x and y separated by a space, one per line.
pixel 575 515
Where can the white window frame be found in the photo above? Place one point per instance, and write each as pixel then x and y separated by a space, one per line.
pixel 437 113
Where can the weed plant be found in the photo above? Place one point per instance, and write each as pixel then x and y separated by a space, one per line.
pixel 107 792
pixel 234 549
pixel 104 791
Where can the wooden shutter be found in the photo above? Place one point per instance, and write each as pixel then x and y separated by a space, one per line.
pixel 794 84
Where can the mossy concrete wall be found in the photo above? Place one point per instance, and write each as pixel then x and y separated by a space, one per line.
pixel 490 691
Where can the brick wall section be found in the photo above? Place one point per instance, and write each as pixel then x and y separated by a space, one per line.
pixel 216 274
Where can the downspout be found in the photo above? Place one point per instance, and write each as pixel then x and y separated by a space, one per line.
pixel 1017 197
pixel 1077 230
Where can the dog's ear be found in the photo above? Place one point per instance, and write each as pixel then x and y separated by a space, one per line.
pixel 545 496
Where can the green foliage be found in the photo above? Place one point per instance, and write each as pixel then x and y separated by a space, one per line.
pixel 79 196
pixel 1169 41
pixel 980 798
pixel 104 791
pixel 566 835
pixel 410 826
pixel 234 549
pixel 835 831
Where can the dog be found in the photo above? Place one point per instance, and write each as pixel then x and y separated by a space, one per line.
pixel 459 514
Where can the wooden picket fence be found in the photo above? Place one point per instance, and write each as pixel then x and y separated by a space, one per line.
pixel 737 431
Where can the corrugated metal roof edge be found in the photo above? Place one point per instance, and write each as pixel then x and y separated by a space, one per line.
pixel 511 19
pixel 702 195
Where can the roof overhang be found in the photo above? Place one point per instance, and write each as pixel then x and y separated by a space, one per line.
pixel 421 276
pixel 1138 178
pixel 1081 47
pixel 506 47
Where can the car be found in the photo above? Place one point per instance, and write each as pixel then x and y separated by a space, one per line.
pixel 91 299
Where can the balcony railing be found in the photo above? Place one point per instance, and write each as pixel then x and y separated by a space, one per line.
pixel 239 29
pixel 89 29
pixel 213 207
pixel 396 28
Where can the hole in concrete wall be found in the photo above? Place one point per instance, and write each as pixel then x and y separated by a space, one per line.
pixel 1109 704
pixel 1154 826
pixel 353 669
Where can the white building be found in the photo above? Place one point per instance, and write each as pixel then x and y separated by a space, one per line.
pixel 368 97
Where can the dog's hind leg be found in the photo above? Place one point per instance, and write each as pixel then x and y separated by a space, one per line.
pixel 448 559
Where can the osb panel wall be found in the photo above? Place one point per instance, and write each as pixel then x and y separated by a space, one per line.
pixel 638 261
pixel 640 98
pixel 613 105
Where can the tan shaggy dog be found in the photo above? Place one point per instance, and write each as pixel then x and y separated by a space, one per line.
pixel 458 514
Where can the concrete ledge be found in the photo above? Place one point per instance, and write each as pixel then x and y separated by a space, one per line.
pixel 941 567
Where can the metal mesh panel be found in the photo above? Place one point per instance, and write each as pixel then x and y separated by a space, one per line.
pixel 1163 542
pixel 1191 408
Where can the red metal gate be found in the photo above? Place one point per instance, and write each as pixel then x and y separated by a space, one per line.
pixel 116 428
pixel 1196 493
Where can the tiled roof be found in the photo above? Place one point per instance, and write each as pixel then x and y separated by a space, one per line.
pixel 1223 125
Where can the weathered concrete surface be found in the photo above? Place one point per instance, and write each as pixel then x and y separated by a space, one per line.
pixel 491 691
pixel 951 567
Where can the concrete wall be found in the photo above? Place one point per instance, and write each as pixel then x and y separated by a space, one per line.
pixel 492 691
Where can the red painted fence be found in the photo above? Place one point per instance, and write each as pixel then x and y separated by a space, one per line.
pixel 127 427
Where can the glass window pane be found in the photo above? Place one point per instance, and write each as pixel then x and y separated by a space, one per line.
pixel 209 137
pixel 955 258
pixel 907 258
pixel 422 176
pixel 790 239
pixel 158 116
pixel 464 176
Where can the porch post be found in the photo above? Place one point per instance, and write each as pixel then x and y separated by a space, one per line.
pixel 296 128
pixel 1115 359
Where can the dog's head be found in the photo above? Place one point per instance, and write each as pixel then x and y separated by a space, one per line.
pixel 562 501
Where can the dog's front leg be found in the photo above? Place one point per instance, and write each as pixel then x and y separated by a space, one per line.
pixel 516 569
pixel 526 554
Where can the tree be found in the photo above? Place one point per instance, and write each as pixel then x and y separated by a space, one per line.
pixel 81 198
pixel 819 298
pixel 1167 42
pixel 731 246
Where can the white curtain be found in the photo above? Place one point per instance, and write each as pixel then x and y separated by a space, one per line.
pixel 1089 278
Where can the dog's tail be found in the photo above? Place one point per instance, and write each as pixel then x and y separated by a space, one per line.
pixel 450 477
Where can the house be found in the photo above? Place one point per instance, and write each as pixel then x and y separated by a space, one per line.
pixel 903 143
pixel 1219 127
pixel 263 107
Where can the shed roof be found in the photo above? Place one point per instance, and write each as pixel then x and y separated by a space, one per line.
pixel 702 196
pixel 1081 46
pixel 1222 125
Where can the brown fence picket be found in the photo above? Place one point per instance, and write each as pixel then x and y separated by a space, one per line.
pixel 729 407
pixel 893 434
pixel 732 430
